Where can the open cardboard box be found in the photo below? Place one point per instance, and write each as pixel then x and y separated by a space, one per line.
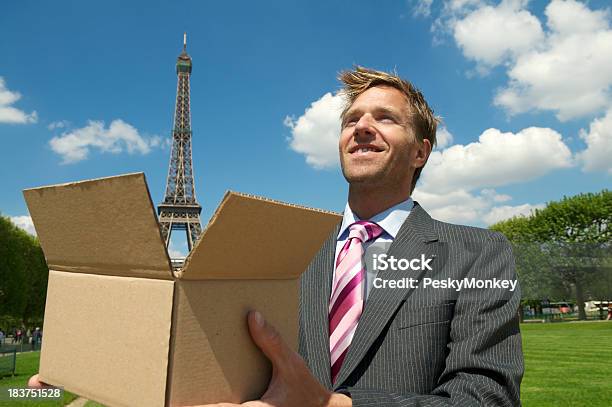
pixel 123 329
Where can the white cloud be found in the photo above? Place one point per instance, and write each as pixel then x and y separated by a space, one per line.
pixel 566 68
pixel 315 133
pixel 443 137
pixel 499 213
pixel 457 6
pixel 176 253
pixel 497 159
pixel 25 223
pixel 452 11
pixel 572 74
pixel 457 206
pixel 60 124
pixel 422 8
pixel 464 207
pixel 571 17
pixel 598 154
pixel 491 35
pixel 10 114
pixel 76 144
pixel 456 184
pixel 494 196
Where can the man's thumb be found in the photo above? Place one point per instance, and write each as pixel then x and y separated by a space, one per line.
pixel 267 338
pixel 34 382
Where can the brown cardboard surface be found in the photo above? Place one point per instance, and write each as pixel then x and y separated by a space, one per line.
pixel 102 226
pixel 107 338
pixel 213 357
pixel 257 238
pixel 121 330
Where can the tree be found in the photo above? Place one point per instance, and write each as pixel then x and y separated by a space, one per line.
pixel 537 281
pixel 23 273
pixel 578 231
pixel 531 264
pixel 37 277
pixel 13 292
pixel 564 245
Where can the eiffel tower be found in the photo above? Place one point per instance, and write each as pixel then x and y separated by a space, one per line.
pixel 180 209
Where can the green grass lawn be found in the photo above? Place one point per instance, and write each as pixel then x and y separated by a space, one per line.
pixel 26 366
pixel 566 365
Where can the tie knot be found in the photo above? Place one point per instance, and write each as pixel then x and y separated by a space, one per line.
pixel 364 230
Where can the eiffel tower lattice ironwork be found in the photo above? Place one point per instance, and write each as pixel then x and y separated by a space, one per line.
pixel 180 209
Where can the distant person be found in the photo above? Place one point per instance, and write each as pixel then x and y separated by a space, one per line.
pixel 36 336
pixel 1 337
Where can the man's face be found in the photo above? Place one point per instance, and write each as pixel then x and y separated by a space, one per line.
pixel 377 143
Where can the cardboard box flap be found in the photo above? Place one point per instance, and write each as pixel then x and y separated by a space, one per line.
pixel 258 238
pixel 101 226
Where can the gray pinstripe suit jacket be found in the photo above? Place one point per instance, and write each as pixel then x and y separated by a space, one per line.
pixel 424 347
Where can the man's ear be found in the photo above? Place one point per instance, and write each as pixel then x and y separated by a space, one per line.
pixel 423 150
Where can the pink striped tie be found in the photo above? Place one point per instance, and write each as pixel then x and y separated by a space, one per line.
pixel 346 303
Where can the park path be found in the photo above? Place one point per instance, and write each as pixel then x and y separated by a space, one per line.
pixel 79 402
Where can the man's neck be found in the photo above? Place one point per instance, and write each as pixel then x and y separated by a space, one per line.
pixel 367 201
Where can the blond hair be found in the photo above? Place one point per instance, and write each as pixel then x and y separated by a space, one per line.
pixel 422 119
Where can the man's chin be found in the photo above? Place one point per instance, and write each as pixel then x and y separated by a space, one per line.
pixel 363 178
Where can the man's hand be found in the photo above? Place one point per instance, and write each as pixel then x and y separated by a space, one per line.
pixel 292 384
pixel 35 383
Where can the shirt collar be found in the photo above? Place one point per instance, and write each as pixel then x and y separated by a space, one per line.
pixel 390 219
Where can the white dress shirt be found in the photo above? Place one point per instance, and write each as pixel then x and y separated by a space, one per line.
pixel 390 220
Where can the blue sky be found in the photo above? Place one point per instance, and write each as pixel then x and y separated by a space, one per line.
pixel 88 90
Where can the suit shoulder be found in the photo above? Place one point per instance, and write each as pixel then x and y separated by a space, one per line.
pixel 452 232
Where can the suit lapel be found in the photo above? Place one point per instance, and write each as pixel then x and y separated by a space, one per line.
pixel 414 238
pixel 316 291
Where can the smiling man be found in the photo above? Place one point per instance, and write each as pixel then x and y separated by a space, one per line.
pixel 361 344
pixel 365 346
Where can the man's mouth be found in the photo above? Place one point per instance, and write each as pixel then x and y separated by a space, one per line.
pixel 364 149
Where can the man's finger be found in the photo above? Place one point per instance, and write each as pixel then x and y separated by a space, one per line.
pixel 35 383
pixel 267 338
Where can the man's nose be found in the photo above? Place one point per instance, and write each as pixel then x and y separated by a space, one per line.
pixel 364 127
